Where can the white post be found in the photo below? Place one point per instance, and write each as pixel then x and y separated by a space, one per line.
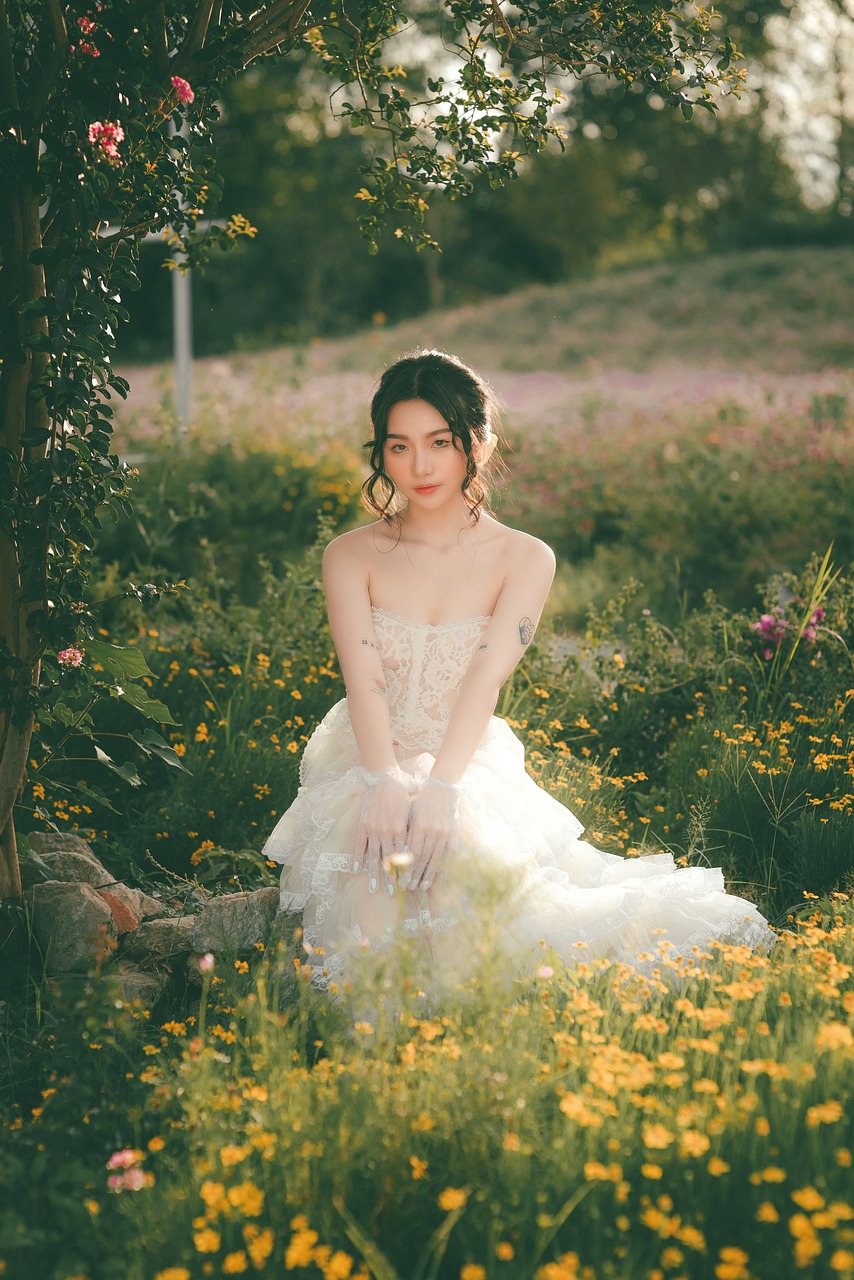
pixel 182 343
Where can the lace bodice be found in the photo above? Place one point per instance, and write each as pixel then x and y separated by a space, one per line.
pixel 424 664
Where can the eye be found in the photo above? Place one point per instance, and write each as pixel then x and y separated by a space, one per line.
pixel 441 442
pixel 397 448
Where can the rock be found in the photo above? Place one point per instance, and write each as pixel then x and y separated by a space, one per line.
pixel 66 864
pixel 71 923
pixel 158 940
pixel 42 842
pixel 234 921
pixel 141 904
pixel 33 870
pixel 123 918
pixel 141 984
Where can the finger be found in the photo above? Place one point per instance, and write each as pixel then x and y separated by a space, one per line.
pixel 373 864
pixel 361 849
pixel 424 862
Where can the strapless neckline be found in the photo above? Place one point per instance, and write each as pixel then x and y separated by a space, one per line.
pixel 431 626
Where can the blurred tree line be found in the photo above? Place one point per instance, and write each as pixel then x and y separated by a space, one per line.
pixel 636 181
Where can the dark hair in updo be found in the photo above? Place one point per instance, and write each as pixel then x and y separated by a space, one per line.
pixel 455 391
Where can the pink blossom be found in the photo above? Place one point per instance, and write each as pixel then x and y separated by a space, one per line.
pixel 545 971
pixel 134 1180
pixel 123 1159
pixel 89 49
pixel 206 962
pixel 71 657
pixel 809 633
pixel 115 1182
pixel 817 616
pixel 182 89
pixel 106 136
pixel 767 654
pixel 86 25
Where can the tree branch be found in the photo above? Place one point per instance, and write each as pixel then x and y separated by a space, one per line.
pixel 58 56
pixel 197 31
pixel 7 62
pixel 159 42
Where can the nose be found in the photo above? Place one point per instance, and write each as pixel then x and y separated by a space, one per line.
pixel 422 463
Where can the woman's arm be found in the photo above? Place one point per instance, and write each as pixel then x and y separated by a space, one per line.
pixel 502 645
pixel 432 821
pixel 383 820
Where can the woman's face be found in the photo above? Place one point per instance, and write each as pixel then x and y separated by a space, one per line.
pixel 422 459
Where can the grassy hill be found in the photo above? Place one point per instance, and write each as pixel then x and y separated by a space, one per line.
pixel 737 326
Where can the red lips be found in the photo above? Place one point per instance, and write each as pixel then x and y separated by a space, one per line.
pixel 426 488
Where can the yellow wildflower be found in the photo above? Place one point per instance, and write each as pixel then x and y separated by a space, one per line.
pixel 504 1251
pixel 808 1198
pixel 233 1155
pixel 767 1213
pixel 656 1136
pixel 300 1251
pixel 259 1244
pixel 717 1167
pixel 834 1035
pixel 471 1271
pixel 453 1198
pixel 248 1198
pixel 823 1113
pixel 173 1273
pixel 206 1241
pixel 234 1263
pixel 419 1167
pixel 338 1267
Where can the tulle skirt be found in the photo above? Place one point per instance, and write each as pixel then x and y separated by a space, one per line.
pixel 521 872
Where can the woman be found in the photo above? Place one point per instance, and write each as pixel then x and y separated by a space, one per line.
pixel 412 791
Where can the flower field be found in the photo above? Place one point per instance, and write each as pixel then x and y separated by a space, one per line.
pixel 587 1122
pixel 690 687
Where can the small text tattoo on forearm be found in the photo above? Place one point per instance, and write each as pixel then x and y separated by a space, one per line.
pixel 526 630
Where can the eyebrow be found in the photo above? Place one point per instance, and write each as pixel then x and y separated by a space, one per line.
pixel 443 431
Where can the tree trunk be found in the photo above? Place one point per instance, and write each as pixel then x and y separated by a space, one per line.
pixel 21 587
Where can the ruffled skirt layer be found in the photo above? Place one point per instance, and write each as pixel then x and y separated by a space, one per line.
pixel 555 888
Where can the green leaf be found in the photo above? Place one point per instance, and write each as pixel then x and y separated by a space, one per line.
pixel 119 661
pixel 153 745
pixel 149 707
pixel 126 771
pixel 687 110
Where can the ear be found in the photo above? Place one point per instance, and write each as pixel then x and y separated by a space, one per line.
pixel 485 451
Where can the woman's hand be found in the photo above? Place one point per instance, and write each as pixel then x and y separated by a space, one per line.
pixel 433 831
pixel 382 824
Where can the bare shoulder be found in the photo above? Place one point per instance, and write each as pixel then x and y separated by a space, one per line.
pixel 524 553
pixel 350 549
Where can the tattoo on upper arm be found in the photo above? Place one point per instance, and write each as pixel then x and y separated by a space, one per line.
pixel 526 630
pixel 369 643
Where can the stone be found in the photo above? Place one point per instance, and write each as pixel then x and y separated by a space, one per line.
pixel 42 842
pixel 142 905
pixel 71 923
pixel 235 921
pixel 33 870
pixel 67 864
pixel 159 940
pixel 123 918
pixel 144 985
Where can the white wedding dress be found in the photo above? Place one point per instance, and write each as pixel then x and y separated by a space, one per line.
pixel 564 892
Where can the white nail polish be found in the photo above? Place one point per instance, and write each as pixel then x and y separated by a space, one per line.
pixel 373 884
pixel 390 890
pixel 355 866
pixel 427 884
